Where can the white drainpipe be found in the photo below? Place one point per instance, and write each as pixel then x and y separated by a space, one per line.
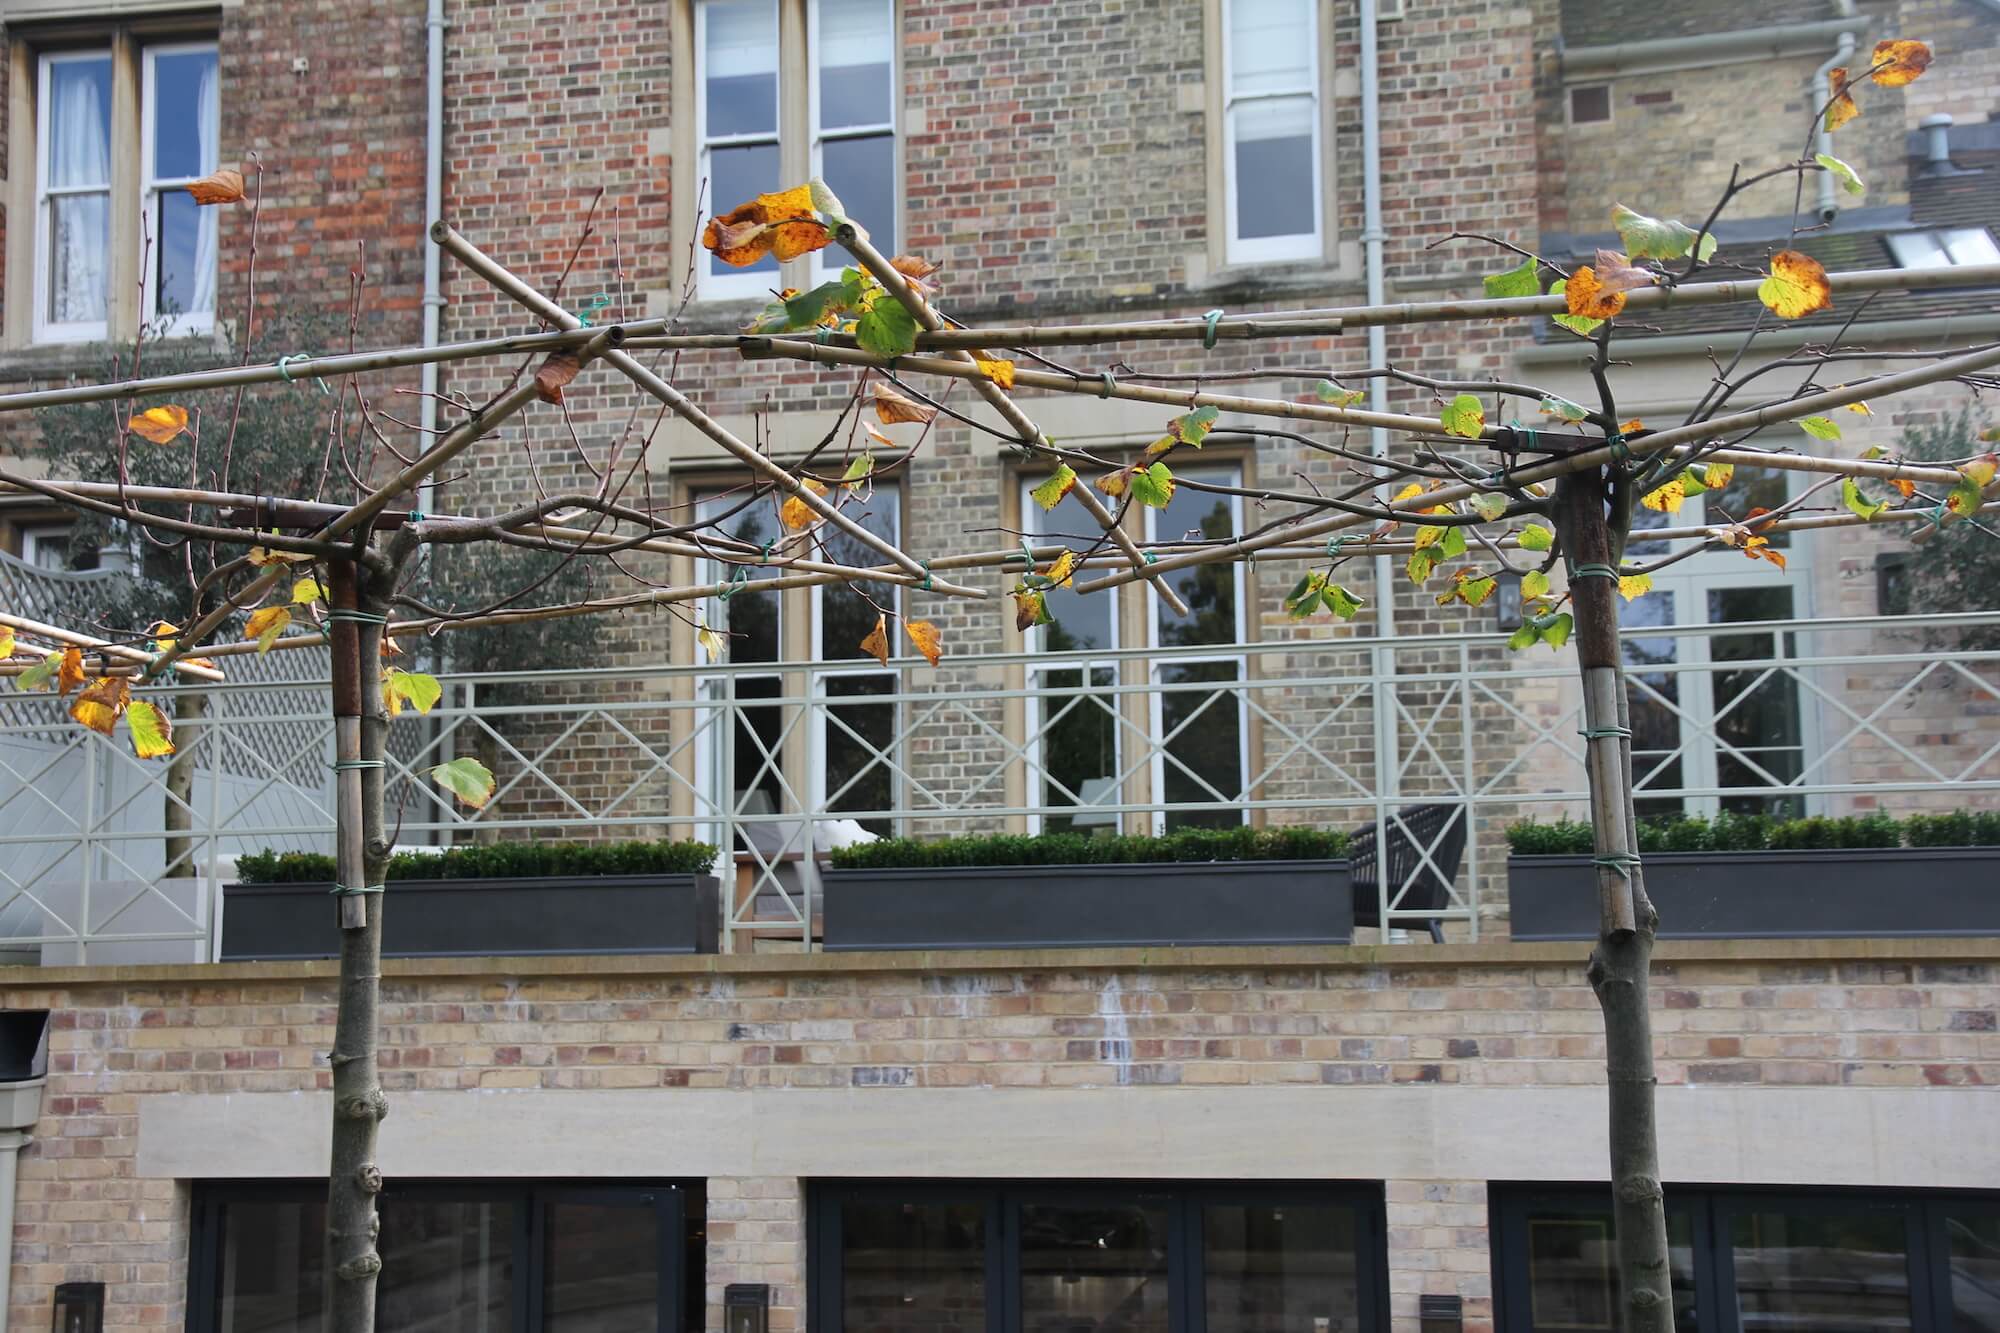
pixel 1821 90
pixel 20 1107
pixel 434 27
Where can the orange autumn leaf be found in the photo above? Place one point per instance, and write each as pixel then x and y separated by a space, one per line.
pixel 925 635
pixel 69 674
pixel 1586 297
pixel 893 407
pixel 1843 107
pixel 784 224
pixel 796 512
pixel 876 645
pixel 1632 427
pixel 556 371
pixel 1797 286
pixel 159 424
pixel 1904 486
pixel 917 272
pixel 1899 62
pixel 218 187
pixel 100 706
pixel 1000 372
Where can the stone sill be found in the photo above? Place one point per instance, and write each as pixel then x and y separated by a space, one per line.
pixel 1493 953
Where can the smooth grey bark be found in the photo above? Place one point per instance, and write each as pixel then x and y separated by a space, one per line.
pixel 189 708
pixel 1620 965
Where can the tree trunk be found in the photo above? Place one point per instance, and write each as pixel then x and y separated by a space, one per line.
pixel 362 854
pixel 189 708
pixel 1620 964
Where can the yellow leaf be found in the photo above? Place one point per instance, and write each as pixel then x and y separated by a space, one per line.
pixel 163 635
pixel 876 645
pixel 1413 489
pixel 1896 63
pixel 893 407
pixel 264 555
pixel 100 706
pixel 1429 535
pixel 784 225
pixel 159 424
pixel 711 643
pixel 307 591
pixel 1000 372
pixel 1633 586
pixel 1050 493
pixel 267 624
pixel 1981 470
pixel 1632 427
pixel 152 734
pixel 1904 487
pixel 1030 609
pixel 218 187
pixel 1063 569
pixel 6 641
pixel 1666 499
pixel 1113 484
pixel 414 688
pixel 1587 297
pixel 796 513
pixel 1861 409
pixel 69 672
pixel 1842 108
pixel 1797 286
pixel 925 635
pixel 1718 475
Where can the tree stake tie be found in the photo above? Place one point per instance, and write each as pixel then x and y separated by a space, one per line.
pixel 590 308
pixel 1335 546
pixel 1208 323
pixel 355 891
pixel 1599 733
pixel 1592 572
pixel 338 615
pixel 1025 554
pixel 1108 385
pixel 1622 862
pixel 926 584
pixel 349 765
pixel 285 372
pixel 1621 452
pixel 737 579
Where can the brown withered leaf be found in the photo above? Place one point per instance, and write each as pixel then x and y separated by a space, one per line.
pixel 925 635
pixel 69 674
pixel 917 270
pixel 1616 273
pixel 556 371
pixel 1896 63
pixel 218 187
pixel 100 706
pixel 1587 297
pixel 893 407
pixel 1843 107
pixel 876 645
pixel 784 224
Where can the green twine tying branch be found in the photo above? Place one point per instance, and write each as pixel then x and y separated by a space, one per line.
pixel 338 614
pixel 1620 451
pixel 739 576
pixel 765 558
pixel 591 307
pixel 1592 572
pixel 1208 323
pixel 926 584
pixel 1152 557
pixel 1107 386
pixel 824 335
pixel 1336 545
pixel 1026 554
pixel 1622 862
pixel 416 516
pixel 285 373
pixel 351 891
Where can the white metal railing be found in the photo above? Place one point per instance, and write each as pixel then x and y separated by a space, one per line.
pixel 1823 716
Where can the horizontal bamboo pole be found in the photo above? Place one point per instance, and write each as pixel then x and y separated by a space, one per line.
pixel 124 652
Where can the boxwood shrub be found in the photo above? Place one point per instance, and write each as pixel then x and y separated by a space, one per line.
pixel 1077 849
pixel 495 860
pixel 1757 833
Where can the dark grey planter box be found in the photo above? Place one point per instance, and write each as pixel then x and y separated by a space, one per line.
pixel 1017 907
pixel 443 918
pixel 1773 895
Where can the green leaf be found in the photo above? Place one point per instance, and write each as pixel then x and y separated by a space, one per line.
pixel 1555 633
pixel 1193 427
pixel 1535 537
pixel 1153 486
pixel 1420 565
pixel 414 688
pixel 1579 324
pixel 1523 638
pixel 1490 505
pixel 1562 407
pixel 1859 504
pixel 1050 493
pixel 467 779
pixel 1519 281
pixel 1475 591
pixel 38 676
pixel 152 734
pixel 859 469
pixel 1534 583
pixel 307 591
pixel 1820 428
pixel 1657 238
pixel 1341 601
pixel 1452 544
pixel 1303 599
pixel 1464 416
pixel 1849 178
pixel 1961 501
pixel 886 329
pixel 1329 392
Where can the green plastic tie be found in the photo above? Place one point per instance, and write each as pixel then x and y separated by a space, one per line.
pixel 346 765
pixel 348 891
pixel 737 579
pixel 765 558
pixel 1622 862
pixel 285 373
pixel 356 617
pixel 1208 323
pixel 1598 733
pixel 416 516
pixel 591 307
pixel 824 335
pixel 1108 384
pixel 1026 555
pixel 1152 557
pixel 1620 451
pixel 926 584
pixel 1336 545
pixel 1592 572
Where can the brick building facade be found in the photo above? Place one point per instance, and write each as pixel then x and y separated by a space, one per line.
pixel 646 1132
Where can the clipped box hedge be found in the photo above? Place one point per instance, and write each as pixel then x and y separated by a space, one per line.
pixel 1763 833
pixel 1077 849
pixel 495 860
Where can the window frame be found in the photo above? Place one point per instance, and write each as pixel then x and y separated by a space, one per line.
pixel 710 285
pixel 825 668
pixel 817 136
pixel 188 321
pixel 1292 247
pixel 45 330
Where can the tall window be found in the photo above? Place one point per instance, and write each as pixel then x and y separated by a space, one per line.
pixel 857 726
pixel 1271 129
pixel 751 138
pixel 1199 708
pixel 1073 715
pixel 77 167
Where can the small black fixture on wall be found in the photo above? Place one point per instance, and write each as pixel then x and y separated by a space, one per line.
pixel 1440 1314
pixel 79 1308
pixel 746 1307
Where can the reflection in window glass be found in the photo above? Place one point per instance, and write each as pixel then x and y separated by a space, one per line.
pixel 859 734
pixel 738 67
pixel 1653 694
pixel 919 1267
pixel 1077 729
pixel 1203 733
pixel 1573 1270
pixel 846 616
pixel 1757 726
pixel 601 1269
pixel 853 125
pixel 273 1261
pixel 751 618
pixel 1208 589
pixel 1829 1269
pixel 186 125
pixel 1973 1234
pixel 446 1266
pixel 77 178
pixel 1094 1266
pixel 1271 108
pixel 1271 1268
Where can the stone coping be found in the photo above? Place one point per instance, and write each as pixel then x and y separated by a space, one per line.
pixel 1488 953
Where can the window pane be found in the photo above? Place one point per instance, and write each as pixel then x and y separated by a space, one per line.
pixel 1749 488
pixel 1274 168
pixel 601 1269
pixel 1079 747
pixel 857 736
pixel 1653 695
pixel 856 55
pixel 1203 763
pixel 1081 621
pixel 752 619
pixel 1094 1267
pixel 1828 1268
pixel 846 618
pixel 1209 590
pixel 446 1266
pixel 1757 728
pixel 1273 1268
pixel 862 172
pixel 80 122
pixel 273 1260
pixel 1974 1237
pixel 1971 245
pixel 736 176
pixel 179 253
pixel 1572 1277
pixel 740 73
pixel 913 1266
pixel 184 111
pixel 80 240
pixel 1270 46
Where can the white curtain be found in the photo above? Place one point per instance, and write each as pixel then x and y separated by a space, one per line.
pixel 210 129
pixel 79 224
